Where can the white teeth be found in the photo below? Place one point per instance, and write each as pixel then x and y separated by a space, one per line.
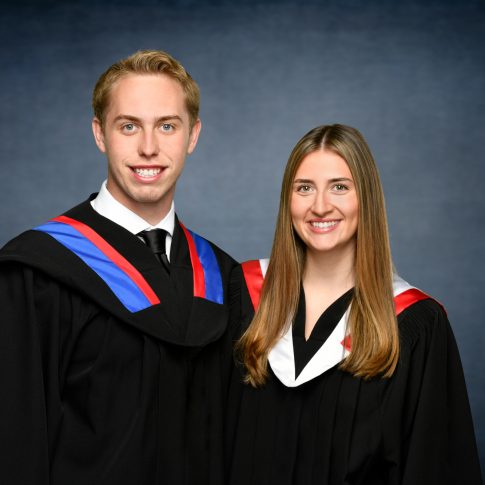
pixel 324 225
pixel 147 172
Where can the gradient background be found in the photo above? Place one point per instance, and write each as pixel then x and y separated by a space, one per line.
pixel 409 74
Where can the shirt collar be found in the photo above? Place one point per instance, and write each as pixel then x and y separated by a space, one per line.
pixel 107 206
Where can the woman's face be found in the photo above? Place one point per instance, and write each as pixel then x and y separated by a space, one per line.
pixel 324 205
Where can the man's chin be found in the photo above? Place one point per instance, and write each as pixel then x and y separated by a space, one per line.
pixel 150 203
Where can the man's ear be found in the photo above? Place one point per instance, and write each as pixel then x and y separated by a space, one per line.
pixel 194 136
pixel 98 134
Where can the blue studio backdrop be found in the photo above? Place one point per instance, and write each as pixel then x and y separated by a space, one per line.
pixel 409 74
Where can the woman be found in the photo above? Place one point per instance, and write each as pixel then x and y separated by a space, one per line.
pixel 346 374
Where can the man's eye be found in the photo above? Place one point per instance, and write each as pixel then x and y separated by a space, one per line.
pixel 128 127
pixel 166 127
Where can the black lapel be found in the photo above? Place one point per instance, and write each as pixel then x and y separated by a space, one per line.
pixel 203 320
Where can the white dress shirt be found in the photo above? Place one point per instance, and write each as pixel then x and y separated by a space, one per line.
pixel 107 206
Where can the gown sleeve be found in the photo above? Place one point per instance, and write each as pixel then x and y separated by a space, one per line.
pixel 428 435
pixel 36 325
pixel 233 328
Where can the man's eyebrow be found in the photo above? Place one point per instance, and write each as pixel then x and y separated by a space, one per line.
pixel 169 118
pixel 127 118
pixel 138 120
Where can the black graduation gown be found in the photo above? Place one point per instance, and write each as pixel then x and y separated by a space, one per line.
pixel 93 393
pixel 414 428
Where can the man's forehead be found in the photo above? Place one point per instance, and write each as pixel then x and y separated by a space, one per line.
pixel 149 84
pixel 157 94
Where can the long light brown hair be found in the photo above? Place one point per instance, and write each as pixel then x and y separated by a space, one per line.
pixel 372 322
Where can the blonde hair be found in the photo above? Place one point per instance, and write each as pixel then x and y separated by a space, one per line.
pixel 146 62
pixel 372 320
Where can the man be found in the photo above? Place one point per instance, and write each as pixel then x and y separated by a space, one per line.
pixel 113 314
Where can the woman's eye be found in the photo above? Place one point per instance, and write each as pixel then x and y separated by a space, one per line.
pixel 304 188
pixel 340 187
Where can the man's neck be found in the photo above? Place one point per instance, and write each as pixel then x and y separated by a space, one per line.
pixel 132 220
pixel 150 211
pixel 153 215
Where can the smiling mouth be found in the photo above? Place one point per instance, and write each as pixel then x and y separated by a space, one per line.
pixel 147 172
pixel 324 225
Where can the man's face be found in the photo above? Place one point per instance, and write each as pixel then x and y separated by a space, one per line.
pixel 146 137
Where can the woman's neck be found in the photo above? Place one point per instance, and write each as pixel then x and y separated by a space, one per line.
pixel 326 277
pixel 330 270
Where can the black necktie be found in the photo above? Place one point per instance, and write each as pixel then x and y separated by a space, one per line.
pixel 155 240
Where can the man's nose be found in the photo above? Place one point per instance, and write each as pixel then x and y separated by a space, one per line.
pixel 148 146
